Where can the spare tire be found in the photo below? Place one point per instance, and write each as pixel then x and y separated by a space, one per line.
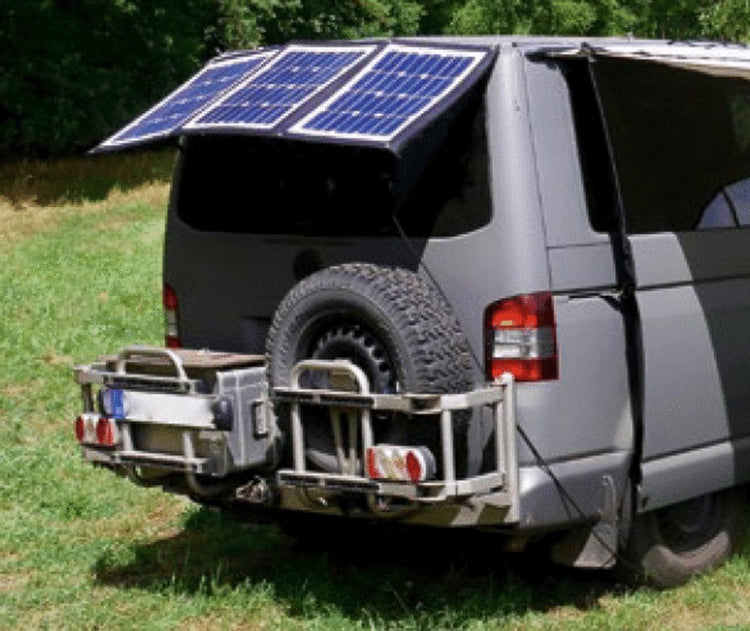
pixel 388 321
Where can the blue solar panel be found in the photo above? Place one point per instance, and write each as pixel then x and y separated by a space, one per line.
pixel 285 84
pixel 183 103
pixel 364 93
pixel 401 84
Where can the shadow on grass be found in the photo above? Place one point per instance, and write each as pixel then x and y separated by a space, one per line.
pixel 78 179
pixel 388 574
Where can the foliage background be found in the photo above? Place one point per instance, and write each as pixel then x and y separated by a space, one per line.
pixel 73 71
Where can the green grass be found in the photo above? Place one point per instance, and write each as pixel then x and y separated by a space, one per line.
pixel 83 549
pixel 81 178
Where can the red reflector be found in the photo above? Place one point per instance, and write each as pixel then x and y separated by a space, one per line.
pixel 530 311
pixel 170 341
pixel 525 369
pixel 372 468
pixel 413 466
pixel 171 328
pixel 169 297
pixel 520 338
pixel 80 428
pixel 104 432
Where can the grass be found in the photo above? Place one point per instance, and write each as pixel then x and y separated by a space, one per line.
pixel 35 183
pixel 83 549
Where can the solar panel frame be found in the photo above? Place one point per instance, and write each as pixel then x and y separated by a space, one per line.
pixel 440 94
pixel 124 137
pixel 279 114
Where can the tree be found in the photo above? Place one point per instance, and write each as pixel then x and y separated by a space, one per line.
pixel 249 23
pixel 561 17
pixel 74 70
pixel 727 20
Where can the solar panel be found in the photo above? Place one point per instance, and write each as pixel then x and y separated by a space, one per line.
pixel 377 94
pixel 179 106
pixel 400 85
pixel 288 82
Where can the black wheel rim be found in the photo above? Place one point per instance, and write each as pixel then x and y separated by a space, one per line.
pixel 338 338
pixel 355 342
pixel 688 525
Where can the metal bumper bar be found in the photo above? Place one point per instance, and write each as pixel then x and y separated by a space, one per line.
pixel 352 401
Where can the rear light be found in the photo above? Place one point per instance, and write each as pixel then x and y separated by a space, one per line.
pixel 93 429
pixel 106 431
pixel 400 464
pixel 520 338
pixel 80 428
pixel 171 328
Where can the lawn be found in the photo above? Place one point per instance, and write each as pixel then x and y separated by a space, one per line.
pixel 83 549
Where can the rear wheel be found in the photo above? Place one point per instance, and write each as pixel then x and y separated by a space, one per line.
pixel 392 324
pixel 668 546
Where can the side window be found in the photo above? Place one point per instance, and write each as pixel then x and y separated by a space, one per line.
pixel 681 144
pixel 729 209
pixel 718 214
pixel 738 195
pixel 593 153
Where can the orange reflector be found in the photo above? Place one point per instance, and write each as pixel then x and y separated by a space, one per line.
pixel 400 464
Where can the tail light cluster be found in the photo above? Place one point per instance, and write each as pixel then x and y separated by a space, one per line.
pixel 171 327
pixel 520 338
pixel 93 429
pixel 403 464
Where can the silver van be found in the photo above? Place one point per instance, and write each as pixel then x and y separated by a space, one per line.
pixel 492 282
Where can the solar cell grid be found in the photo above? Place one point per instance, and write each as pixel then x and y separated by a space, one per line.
pixel 183 103
pixel 302 91
pixel 289 81
pixel 397 87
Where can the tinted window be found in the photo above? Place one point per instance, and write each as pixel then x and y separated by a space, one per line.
pixel 718 214
pixel 738 195
pixel 593 152
pixel 681 143
pixel 269 186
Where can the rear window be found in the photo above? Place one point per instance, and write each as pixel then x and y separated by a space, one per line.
pixel 681 143
pixel 438 188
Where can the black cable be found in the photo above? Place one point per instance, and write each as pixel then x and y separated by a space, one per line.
pixel 564 494
pixel 626 282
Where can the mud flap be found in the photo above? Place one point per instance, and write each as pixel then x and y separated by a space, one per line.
pixel 593 547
